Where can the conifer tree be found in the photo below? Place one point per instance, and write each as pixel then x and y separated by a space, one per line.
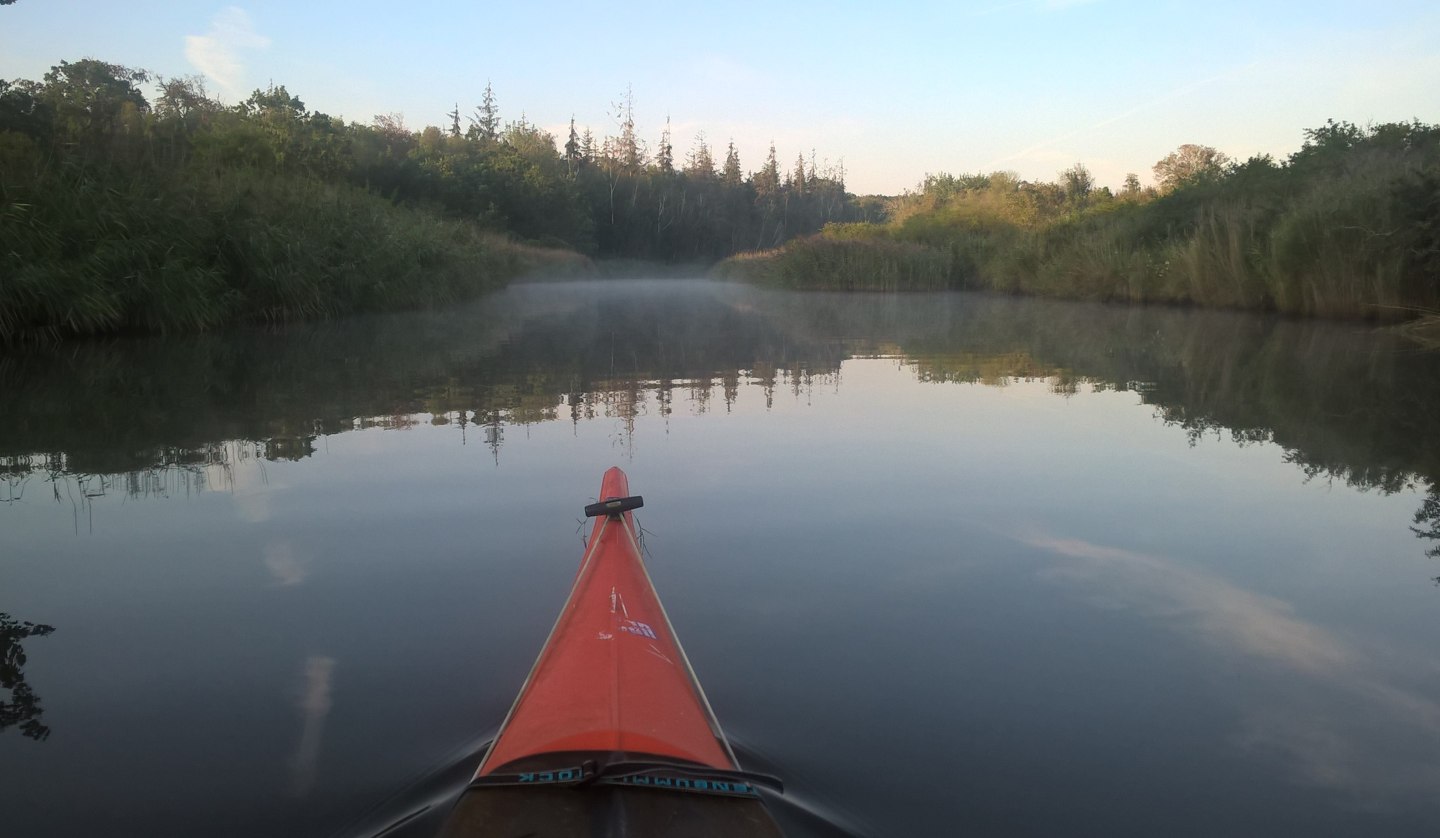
pixel 627 147
pixel 485 124
pixel 767 180
pixel 572 149
pixel 665 154
pixel 701 163
pixel 731 173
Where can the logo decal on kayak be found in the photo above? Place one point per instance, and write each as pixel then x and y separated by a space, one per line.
pixel 624 774
pixel 711 786
pixel 564 775
pixel 637 627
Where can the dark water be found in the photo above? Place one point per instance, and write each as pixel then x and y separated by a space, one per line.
pixel 949 564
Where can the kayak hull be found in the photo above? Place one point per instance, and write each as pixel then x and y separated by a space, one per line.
pixel 611 733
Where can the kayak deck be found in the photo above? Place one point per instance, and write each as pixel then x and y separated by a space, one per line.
pixel 611 733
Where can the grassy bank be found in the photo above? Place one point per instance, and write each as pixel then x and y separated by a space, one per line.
pixel 98 249
pixel 824 262
pixel 1348 226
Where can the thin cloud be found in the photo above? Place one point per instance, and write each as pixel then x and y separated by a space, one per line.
pixel 1169 96
pixel 217 53
pixel 1037 5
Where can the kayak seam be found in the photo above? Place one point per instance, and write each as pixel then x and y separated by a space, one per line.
pixel 711 719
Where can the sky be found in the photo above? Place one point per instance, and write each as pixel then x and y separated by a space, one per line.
pixel 896 91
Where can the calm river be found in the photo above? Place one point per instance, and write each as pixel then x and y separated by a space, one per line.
pixel 949 564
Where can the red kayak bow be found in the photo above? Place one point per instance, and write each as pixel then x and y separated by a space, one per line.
pixel 611 733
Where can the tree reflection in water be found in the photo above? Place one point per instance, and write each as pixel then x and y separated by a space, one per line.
pixel 1427 524
pixel 23 708
pixel 170 414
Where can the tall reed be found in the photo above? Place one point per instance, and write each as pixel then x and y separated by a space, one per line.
pixel 1348 227
pixel 91 249
pixel 821 262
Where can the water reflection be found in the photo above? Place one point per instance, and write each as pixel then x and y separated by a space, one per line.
pixel 1427 524
pixel 908 515
pixel 22 710
pixel 1321 702
pixel 163 416
pixel 315 685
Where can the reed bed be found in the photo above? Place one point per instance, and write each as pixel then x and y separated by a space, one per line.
pixel 1349 226
pixel 821 262
pixel 90 251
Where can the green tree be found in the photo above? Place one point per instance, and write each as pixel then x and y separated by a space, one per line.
pixel 181 109
pixel 731 173
pixel 767 180
pixel 1131 189
pixel 1078 183
pixel 627 151
pixel 23 109
pixel 1187 164
pixel 183 98
pixel 485 124
pixel 665 154
pixel 587 146
pixel 572 149
pixel 700 163
pixel 273 103
pixel 93 100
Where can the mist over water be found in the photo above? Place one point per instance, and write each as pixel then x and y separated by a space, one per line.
pixel 946 563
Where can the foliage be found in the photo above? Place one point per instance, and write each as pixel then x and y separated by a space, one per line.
pixel 107 253
pixel 22 711
pixel 1189 164
pixel 182 213
pixel 834 262
pixel 1348 226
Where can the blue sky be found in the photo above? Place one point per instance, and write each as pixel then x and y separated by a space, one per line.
pixel 897 91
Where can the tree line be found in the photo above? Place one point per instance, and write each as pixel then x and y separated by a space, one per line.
pixel 609 195
pixel 174 211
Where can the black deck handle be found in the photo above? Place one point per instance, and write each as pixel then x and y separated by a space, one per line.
pixel 614 506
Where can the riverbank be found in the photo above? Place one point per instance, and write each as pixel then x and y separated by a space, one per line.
pixel 134 202
pixel 90 252
pixel 1348 226
pixel 828 263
